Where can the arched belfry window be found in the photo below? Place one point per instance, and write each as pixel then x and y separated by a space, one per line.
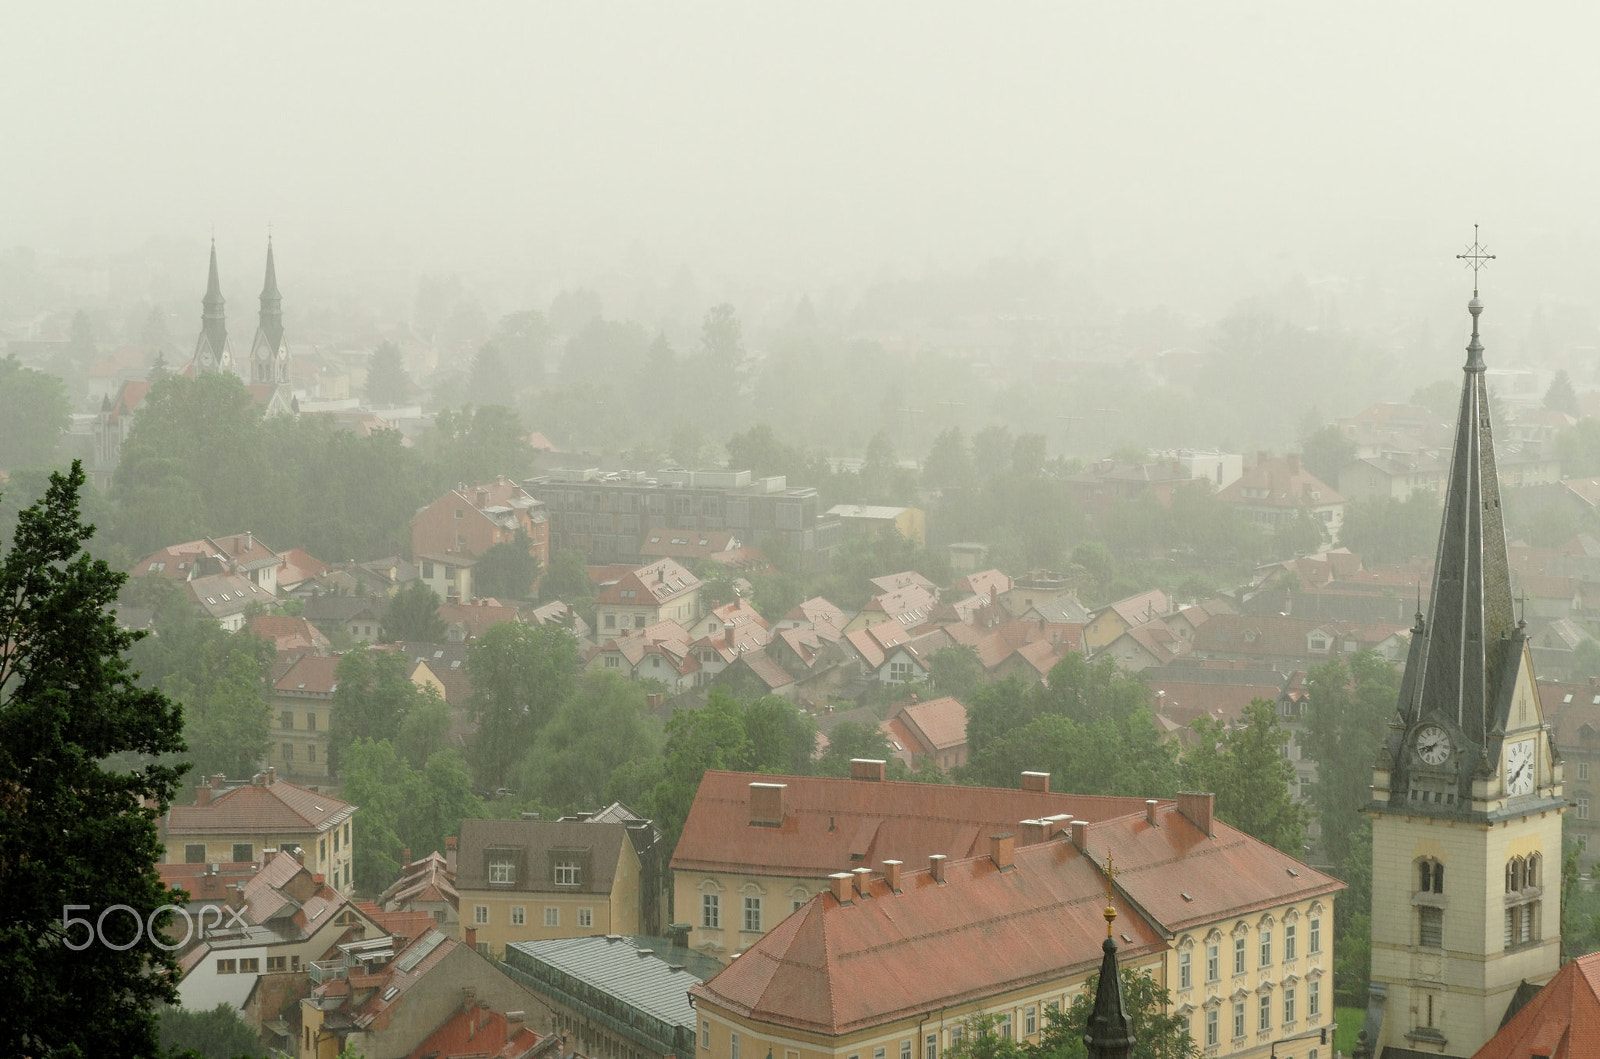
pixel 1430 876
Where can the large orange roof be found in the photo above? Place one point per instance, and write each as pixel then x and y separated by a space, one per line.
pixel 941 722
pixel 1562 1021
pixel 833 968
pixel 279 807
pixel 833 824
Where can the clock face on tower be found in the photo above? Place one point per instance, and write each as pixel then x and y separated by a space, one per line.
pixel 1519 767
pixel 1433 745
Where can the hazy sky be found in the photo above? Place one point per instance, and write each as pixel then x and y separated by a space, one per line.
pixel 1176 151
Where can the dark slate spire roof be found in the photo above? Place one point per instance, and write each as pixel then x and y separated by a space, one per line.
pixel 1455 672
pixel 1109 1035
pixel 271 303
pixel 213 321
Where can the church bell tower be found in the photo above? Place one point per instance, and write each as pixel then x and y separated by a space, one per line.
pixel 211 350
pixel 1467 788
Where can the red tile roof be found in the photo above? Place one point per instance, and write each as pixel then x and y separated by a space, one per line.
pixel 838 824
pixel 280 808
pixel 287 632
pixel 1562 1021
pixel 940 723
pixel 833 968
pixel 477 617
pixel 479 1033
pixel 311 675
pixel 651 585
pixel 817 611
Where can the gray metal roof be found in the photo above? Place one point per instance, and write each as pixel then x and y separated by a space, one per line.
pixel 655 983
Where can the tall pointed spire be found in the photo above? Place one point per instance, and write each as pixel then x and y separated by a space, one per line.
pixel 271 303
pixel 1470 611
pixel 211 350
pixel 1109 1034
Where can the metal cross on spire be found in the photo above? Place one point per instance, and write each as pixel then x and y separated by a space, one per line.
pixel 1476 257
pixel 1110 871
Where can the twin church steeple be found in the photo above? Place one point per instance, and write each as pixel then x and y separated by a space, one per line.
pixel 268 373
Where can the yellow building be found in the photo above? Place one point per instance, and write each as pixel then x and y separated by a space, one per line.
pixel 234 825
pixel 533 880
pixel 873 521
pixel 302 714
pixel 892 965
pixel 1110 622
pixel 1468 788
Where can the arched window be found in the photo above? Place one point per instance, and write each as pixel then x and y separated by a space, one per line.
pixel 1430 876
pixel 1515 867
pixel 1534 874
pixel 1522 922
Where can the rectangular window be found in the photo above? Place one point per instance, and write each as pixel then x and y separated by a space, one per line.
pixel 1266 948
pixel 1583 808
pixel 752 913
pixel 275 963
pixel 1213 972
pixel 501 872
pixel 1316 935
pixel 336 878
pixel 286 719
pixel 1289 942
pixel 243 852
pixel 480 915
pixel 879 1053
pixel 1002 1027
pixel 930 1046
pixel 1030 1021
pixel 1430 928
pixel 585 917
pixel 711 911
pixel 1264 1014
pixel 288 752
pixel 250 966
pixel 956 1035
pixel 311 753
pixel 611 621
pixel 322 851
pixel 796 905
pixel 705 1033
pixel 1583 770
pixel 194 853
pixel 1238 955
pixel 1288 1005
pixel 905 1049
pixel 1314 1000
pixel 552 916
pixel 1211 1027
pixel 311 721
pixel 733 1046
pixel 227 967
pixel 1238 1018
pixel 568 873
pixel 519 915
pixel 336 840
pixel 1185 972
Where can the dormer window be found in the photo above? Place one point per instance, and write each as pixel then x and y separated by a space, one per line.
pixel 568 873
pixel 502 871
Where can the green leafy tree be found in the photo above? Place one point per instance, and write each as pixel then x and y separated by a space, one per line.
pixel 712 737
pixel 1351 702
pixel 1158 1031
pixel 388 382
pixel 781 738
pixel 425 729
pixel 981 1039
pixel 1246 767
pixel 477 444
pixel 1386 530
pixel 216 1034
pixel 413 616
pixel 71 830
pixel 567 579
pixel 955 671
pixel 1325 452
pixel 601 727
pixel 853 739
pixel 949 462
pixel 520 675
pixel 372 700
pixel 490 380
pixel 507 571
pixel 402 807
pixel 226 717
pixel 523 338
pixel 33 414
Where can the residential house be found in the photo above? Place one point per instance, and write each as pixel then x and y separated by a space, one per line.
pixel 661 652
pixel 1289 643
pixel 727 632
pixel 933 732
pixel 291 635
pixel 1573 711
pixel 908 605
pixel 1110 622
pixel 813 613
pixel 614 996
pixel 1219 468
pixel 1393 475
pixel 990 584
pixel 532 880
pixel 358 618
pixel 755 848
pixel 389 1001
pixel 1107 483
pixel 302 705
pixel 687 545
pixel 1277 490
pixel 1240 935
pixel 477 1031
pixel 235 824
pixel 1144 646
pixel 872 521
pixel 466 621
pixel 757 673
pixel 427 885
pixel 660 591
pixel 563 614
pixel 470 519
pixel 224 598
pixel 449 576
pixel 1394 427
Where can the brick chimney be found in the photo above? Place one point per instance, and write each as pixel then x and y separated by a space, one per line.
pixel 866 768
pixel 1036 781
pixel 1198 808
pixel 236 896
pixel 272 775
pixel 469 998
pixel 218 781
pixel 450 854
pixel 1033 832
pixel 891 874
pixel 514 1021
pixel 1003 850
pixel 202 793
pixel 405 858
pixel 766 804
pixel 841 884
pixel 863 878
pixel 936 867
pixel 470 936
pixel 1150 812
pixel 1080 834
pixel 1055 825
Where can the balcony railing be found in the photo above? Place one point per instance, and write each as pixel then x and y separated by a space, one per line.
pixel 327 970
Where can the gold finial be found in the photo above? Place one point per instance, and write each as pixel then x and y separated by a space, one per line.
pixel 1110 872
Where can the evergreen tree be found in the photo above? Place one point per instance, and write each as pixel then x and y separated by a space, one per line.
pixel 33 415
pixel 72 832
pixel 1561 397
pixel 388 382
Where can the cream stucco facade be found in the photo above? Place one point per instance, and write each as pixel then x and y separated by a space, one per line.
pixel 498 917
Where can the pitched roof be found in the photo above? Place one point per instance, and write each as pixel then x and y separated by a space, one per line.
pixel 904 579
pixel 477 617
pixel 651 585
pixel 278 807
pixel 985 583
pixel 1562 1021
pixel 534 840
pixel 1281 482
pixel 941 723
pixel 1224 703
pixel 287 632
pixel 310 675
pixel 817 610
pixel 766 668
pixel 686 544
pixel 478 1033
pixel 1142 608
pixel 835 824
pixel 833 968
pixel 428 879
pixel 224 595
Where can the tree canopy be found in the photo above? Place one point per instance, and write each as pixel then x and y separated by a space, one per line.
pixel 33 414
